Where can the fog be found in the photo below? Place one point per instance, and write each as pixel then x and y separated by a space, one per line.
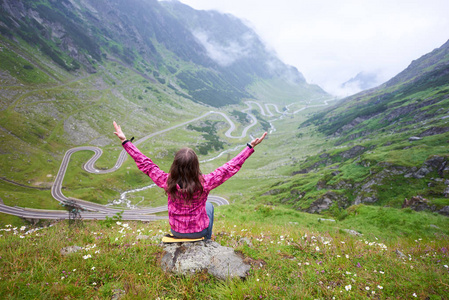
pixel 332 41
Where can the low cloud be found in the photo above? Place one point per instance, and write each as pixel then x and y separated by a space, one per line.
pixel 225 54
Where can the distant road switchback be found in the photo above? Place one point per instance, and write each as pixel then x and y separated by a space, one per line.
pixel 100 212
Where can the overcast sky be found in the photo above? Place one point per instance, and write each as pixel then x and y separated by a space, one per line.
pixel 330 41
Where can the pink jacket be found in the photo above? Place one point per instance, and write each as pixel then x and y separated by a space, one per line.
pixel 191 217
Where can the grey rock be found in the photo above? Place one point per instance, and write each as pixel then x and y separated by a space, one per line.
pixel 142 237
pixel 400 254
pixel 329 220
pixel 417 203
pixel 434 131
pixel 444 211
pixel 421 173
pixel 188 258
pixel 414 138
pixel 353 152
pixel 118 293
pixel 326 201
pixel 320 204
pixel 352 232
pixel 272 192
pixel 246 241
pixel 365 199
pixel 446 192
pixel 70 249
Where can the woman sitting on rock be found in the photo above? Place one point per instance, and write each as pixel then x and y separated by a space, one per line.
pixel 189 215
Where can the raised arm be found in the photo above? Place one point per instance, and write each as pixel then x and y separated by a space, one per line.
pixel 143 163
pixel 229 169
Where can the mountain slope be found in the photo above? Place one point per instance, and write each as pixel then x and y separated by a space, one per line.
pixel 398 98
pixel 380 146
pixel 69 68
pixel 154 39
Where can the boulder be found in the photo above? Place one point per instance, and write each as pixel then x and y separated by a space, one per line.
pixel 417 203
pixel 70 249
pixel 188 258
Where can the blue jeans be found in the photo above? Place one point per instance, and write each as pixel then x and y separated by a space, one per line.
pixel 207 232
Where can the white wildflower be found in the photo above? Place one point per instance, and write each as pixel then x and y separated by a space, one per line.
pixel 348 287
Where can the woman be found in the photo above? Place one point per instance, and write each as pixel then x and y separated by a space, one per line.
pixel 189 215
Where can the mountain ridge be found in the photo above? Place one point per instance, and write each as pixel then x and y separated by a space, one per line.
pixel 148 38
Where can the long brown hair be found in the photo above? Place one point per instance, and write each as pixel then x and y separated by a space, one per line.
pixel 185 172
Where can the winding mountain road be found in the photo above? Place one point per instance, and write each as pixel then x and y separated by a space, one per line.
pixel 100 212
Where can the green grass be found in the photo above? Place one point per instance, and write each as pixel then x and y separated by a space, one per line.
pixel 21 69
pixel 297 256
pixel 13 195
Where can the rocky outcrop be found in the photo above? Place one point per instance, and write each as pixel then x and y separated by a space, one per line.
pixel 326 201
pixel 417 203
pixel 434 163
pixel 434 130
pixel 366 191
pixel 328 159
pixel 444 211
pixel 353 152
pixel 188 258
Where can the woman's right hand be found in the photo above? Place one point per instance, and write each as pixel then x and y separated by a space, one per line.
pixel 118 132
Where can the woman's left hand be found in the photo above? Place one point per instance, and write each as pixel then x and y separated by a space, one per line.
pixel 257 141
pixel 118 132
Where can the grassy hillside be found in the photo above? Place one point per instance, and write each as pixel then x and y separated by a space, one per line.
pixel 293 255
pixel 379 147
